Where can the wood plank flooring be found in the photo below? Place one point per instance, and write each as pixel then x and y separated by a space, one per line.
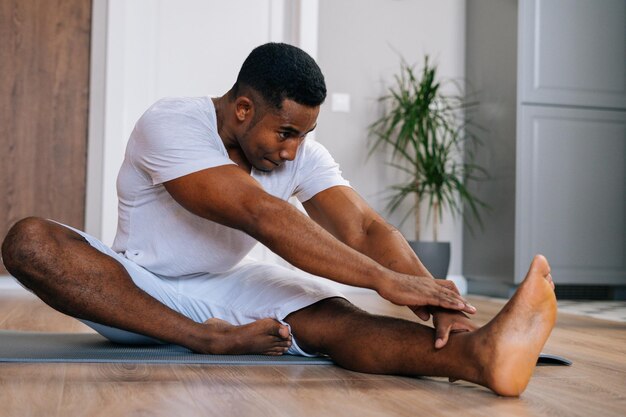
pixel 594 386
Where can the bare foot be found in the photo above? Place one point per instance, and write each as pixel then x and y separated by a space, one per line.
pixel 266 337
pixel 509 345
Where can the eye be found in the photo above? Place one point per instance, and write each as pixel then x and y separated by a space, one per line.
pixel 284 135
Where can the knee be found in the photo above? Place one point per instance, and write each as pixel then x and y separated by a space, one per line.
pixel 25 242
pixel 322 326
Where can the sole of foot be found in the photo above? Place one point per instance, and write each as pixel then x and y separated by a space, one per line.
pixel 512 341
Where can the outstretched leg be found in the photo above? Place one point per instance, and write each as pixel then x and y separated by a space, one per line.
pixel 501 355
pixel 73 277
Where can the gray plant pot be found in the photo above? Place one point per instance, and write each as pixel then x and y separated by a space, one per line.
pixel 434 255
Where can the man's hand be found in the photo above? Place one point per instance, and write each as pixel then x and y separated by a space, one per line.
pixel 445 321
pixel 418 292
pixel 423 312
pixel 448 321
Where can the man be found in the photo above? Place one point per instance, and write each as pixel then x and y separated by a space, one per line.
pixel 203 180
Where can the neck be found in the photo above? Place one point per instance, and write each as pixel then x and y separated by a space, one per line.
pixel 223 112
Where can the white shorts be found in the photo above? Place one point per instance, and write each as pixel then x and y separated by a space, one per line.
pixel 250 291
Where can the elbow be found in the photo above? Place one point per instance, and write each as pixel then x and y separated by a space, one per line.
pixel 356 239
pixel 359 235
pixel 369 234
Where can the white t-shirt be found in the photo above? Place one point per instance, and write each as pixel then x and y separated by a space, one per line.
pixel 178 136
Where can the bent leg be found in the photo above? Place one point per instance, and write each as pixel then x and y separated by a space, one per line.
pixel 501 355
pixel 67 273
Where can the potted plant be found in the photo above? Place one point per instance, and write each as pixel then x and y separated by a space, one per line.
pixel 427 132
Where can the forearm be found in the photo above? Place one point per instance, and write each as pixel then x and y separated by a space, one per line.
pixel 386 245
pixel 306 245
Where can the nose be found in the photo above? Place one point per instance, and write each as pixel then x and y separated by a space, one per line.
pixel 288 153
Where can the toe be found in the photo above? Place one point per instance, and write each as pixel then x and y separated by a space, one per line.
pixel 550 280
pixel 284 332
pixel 277 351
pixel 280 342
pixel 540 265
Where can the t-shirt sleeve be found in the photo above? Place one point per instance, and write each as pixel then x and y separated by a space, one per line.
pixel 173 141
pixel 318 171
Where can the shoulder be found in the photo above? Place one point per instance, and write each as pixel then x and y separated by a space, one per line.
pixel 312 148
pixel 175 137
pixel 179 109
pixel 180 104
pixel 313 152
pixel 317 171
pixel 174 123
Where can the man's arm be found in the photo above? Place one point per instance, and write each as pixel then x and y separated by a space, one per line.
pixel 229 196
pixel 342 212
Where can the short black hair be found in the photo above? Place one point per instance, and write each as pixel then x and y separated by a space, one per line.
pixel 278 71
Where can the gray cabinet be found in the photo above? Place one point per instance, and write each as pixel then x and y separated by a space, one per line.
pixel 572 52
pixel 571 186
pixel 552 81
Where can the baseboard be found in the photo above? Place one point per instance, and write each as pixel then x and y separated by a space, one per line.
pixel 493 288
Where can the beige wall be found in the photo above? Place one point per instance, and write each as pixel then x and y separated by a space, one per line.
pixel 358 50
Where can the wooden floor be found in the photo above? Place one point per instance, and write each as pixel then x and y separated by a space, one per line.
pixel 594 386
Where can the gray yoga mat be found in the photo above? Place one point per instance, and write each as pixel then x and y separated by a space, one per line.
pixel 17 346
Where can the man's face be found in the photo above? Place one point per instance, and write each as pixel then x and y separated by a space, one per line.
pixel 276 136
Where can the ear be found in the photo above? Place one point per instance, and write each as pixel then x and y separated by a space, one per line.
pixel 244 108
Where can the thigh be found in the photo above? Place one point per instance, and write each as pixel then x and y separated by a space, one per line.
pixel 161 288
pixel 250 291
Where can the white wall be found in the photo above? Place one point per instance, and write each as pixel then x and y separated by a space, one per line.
pixel 359 46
